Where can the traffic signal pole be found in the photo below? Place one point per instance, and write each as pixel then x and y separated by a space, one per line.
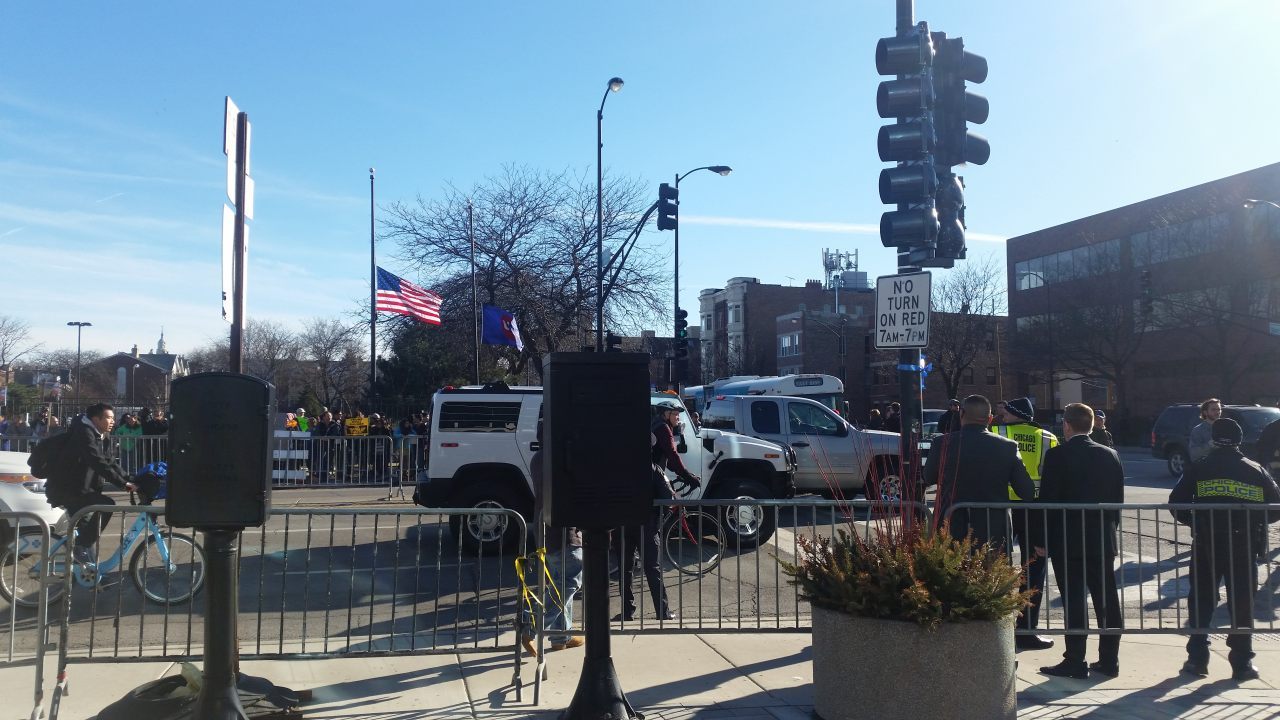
pixel 675 305
pixel 908 360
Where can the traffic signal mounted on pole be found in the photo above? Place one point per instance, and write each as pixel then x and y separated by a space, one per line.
pixel 681 341
pixel 910 142
pixel 954 108
pixel 668 207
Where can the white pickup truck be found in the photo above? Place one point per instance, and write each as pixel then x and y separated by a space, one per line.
pixel 831 453
pixel 483 438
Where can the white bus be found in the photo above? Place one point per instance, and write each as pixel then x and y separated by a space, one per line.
pixel 826 389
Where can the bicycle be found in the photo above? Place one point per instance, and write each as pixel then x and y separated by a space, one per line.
pixel 692 539
pixel 168 568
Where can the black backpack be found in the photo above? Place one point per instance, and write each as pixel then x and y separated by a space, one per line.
pixel 44 456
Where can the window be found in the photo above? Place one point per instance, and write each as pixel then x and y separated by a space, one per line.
pixel 789 345
pixel 1020 279
pixel 765 417
pixel 735 313
pixel 966 376
pixel 808 419
pixel 479 416
pixel 991 376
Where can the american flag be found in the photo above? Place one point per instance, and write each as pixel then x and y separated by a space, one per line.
pixel 397 295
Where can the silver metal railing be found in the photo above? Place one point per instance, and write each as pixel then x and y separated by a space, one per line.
pixel 26 598
pixel 1162 570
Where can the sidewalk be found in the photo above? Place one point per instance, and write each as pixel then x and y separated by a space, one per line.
pixel 749 676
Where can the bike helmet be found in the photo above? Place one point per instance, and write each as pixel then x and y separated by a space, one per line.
pixel 667 406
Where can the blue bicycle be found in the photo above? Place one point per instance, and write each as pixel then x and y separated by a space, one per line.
pixel 167 568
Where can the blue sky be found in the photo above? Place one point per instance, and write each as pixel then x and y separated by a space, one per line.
pixel 112 173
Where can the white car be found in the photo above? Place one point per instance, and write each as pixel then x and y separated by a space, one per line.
pixel 19 492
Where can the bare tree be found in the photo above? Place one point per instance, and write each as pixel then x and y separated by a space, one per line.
pixel 535 237
pixel 269 349
pixel 973 295
pixel 331 363
pixel 15 340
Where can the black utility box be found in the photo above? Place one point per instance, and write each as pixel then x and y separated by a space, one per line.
pixel 220 444
pixel 596 451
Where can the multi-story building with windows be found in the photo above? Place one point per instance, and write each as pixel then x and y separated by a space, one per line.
pixel 1171 299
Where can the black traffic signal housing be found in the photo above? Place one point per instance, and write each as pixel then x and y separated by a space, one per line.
pixel 949 202
pixel 910 142
pixel 681 338
pixel 668 207
pixel 955 106
pixel 612 343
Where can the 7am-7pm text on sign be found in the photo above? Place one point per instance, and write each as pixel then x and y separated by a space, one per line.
pixel 902 311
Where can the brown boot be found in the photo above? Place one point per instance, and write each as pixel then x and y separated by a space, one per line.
pixel 573 642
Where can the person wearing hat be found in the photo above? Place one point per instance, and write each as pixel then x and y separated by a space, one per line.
pixel 1100 434
pixel 304 422
pixel 1016 421
pixel 950 421
pixel 1225 544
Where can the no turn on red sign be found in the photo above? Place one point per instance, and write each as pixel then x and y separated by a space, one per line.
pixel 902 311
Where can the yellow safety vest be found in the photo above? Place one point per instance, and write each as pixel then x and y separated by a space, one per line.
pixel 1033 444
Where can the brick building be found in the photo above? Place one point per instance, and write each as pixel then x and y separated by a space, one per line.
pixel 1172 299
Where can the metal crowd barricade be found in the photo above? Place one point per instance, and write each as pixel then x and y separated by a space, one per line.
pixel 315 582
pixel 742 587
pixel 1158 559
pixel 302 459
pixel 27 579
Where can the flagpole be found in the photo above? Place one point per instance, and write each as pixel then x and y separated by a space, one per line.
pixel 373 296
pixel 475 294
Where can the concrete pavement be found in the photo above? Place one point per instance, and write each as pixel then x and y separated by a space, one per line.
pixel 749 676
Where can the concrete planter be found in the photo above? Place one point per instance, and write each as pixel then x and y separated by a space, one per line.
pixel 869 669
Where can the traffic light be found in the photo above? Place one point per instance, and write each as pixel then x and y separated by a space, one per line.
pixel 910 142
pixel 950 204
pixel 681 342
pixel 612 343
pixel 955 106
pixel 668 207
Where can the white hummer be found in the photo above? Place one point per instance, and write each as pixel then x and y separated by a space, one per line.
pixel 483 438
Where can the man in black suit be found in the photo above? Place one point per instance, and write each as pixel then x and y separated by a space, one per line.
pixel 978 466
pixel 1082 545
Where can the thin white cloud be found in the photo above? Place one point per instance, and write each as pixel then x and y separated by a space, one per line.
pixel 14 231
pixel 809 226
pixel 99 225
pixel 112 196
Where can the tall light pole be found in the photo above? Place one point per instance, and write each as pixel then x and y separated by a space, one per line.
pixel 79 326
pixel 133 387
pixel 723 171
pixel 615 84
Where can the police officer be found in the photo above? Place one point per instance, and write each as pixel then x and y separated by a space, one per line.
pixel 1016 421
pixel 1226 544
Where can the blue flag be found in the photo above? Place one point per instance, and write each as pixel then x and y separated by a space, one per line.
pixel 500 328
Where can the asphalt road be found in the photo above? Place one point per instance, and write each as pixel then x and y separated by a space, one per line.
pixel 352 582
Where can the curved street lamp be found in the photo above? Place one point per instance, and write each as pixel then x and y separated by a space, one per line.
pixel 1250 203
pixel 615 84
pixel 723 171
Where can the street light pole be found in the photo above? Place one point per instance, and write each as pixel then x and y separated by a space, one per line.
pixel 723 171
pixel 1048 313
pixel 615 84
pixel 133 387
pixel 79 326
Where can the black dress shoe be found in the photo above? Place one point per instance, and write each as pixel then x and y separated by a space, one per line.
pixel 618 618
pixel 1067 669
pixel 1244 672
pixel 668 615
pixel 1192 667
pixel 1032 642
pixel 1108 669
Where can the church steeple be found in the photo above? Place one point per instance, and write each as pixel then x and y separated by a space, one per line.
pixel 160 345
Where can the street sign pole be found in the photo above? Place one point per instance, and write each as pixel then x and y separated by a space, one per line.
pixel 902 323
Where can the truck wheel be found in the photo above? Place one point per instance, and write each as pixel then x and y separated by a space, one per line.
pixel 1177 461
pixel 884 482
pixel 487 534
pixel 746 526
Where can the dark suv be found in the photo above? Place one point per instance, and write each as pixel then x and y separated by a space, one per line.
pixel 1173 428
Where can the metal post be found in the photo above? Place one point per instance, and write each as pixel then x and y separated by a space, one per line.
pixel 475 293
pixel 600 226
pixel 237 292
pixel 75 404
pixel 373 296
pixel 908 379
pixel 219 698
pixel 1048 311
pixel 906 16
pixel 599 694
pixel 675 361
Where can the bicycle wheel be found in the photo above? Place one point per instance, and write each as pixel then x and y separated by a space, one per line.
pixel 175 582
pixel 693 542
pixel 20 572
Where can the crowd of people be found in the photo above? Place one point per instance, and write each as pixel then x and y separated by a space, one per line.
pixel 1005 457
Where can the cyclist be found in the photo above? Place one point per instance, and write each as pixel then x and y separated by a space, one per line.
pixel 80 474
